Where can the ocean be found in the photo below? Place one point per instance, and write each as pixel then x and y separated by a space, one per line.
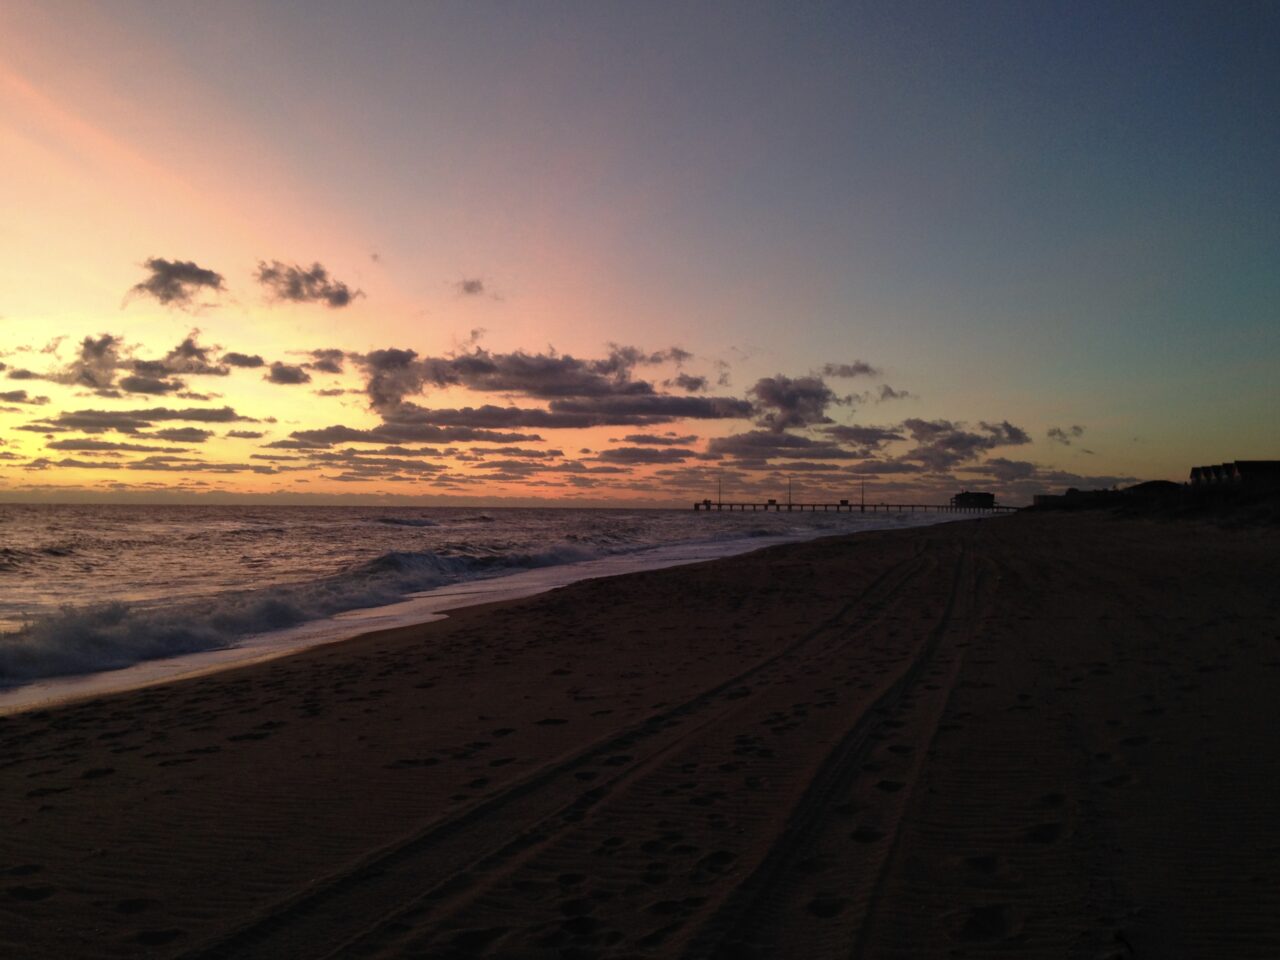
pixel 91 588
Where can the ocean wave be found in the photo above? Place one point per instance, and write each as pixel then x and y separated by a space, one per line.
pixel 13 558
pixel 111 636
pixel 406 521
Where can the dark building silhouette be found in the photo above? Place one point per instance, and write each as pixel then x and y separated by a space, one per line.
pixel 1242 472
pixel 974 500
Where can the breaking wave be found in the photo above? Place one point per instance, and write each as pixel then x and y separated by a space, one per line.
pixel 110 636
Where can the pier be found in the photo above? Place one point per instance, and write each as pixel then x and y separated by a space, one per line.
pixel 846 506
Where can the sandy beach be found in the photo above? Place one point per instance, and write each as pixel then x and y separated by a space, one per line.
pixel 1034 736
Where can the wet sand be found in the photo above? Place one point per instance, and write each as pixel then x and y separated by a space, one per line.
pixel 1027 736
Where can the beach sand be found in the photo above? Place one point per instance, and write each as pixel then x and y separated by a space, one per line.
pixel 1033 736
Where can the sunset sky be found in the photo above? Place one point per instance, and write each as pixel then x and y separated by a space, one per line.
pixel 593 252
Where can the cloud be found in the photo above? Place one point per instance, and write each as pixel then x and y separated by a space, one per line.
pixel 642 455
pixel 665 440
pixel 188 357
pixel 296 285
pixel 151 385
pixel 183 434
pixel 21 396
pixel 394 374
pixel 395 433
pixel 640 410
pixel 20 374
pixel 243 360
pixel 768 444
pixel 245 434
pixel 85 445
pixel 888 393
pixel 782 402
pixel 942 444
pixel 487 416
pixel 330 392
pixel 95 365
pixel 470 287
pixel 870 437
pixel 687 382
pixel 859 368
pixel 284 373
pixel 1065 436
pixel 131 421
pixel 327 360
pixel 100 359
pixel 176 281
pixel 875 468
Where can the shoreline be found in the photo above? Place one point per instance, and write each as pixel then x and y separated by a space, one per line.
pixel 1048 736
pixel 412 610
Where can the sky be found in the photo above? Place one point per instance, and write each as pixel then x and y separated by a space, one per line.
pixel 588 253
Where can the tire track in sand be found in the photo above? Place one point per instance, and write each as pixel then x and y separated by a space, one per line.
pixel 436 863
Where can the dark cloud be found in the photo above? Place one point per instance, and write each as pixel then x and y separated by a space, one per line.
pixel 189 465
pixel 543 375
pixel 888 393
pixel 176 281
pixel 869 437
pixel 21 396
pixel 296 285
pixel 942 444
pixel 243 360
pixel 487 416
pixel 470 287
pixel 687 382
pixel 640 410
pixel 876 468
pixel 20 374
pixel 151 385
pixel 640 455
pixel 525 452
pixel 665 440
pixel 131 421
pixel 327 360
pixel 859 368
pixel 1066 436
pixel 84 445
pixel 782 402
pixel 768 444
pixel 100 359
pixel 284 373
pixel 394 374
pixel 1023 479
pixel 330 392
pixel 183 434
pixel 44 463
pixel 188 357
pixel 244 434
pixel 396 433
pixel 95 365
